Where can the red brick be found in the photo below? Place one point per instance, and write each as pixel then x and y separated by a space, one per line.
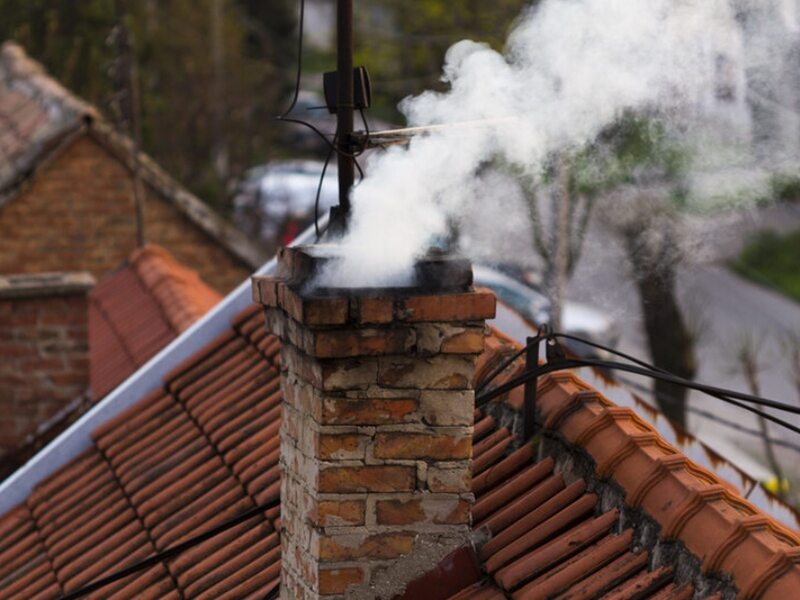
pixel 373 411
pixel 336 581
pixel 440 446
pixel 377 478
pixel 376 310
pixel 313 312
pixel 467 342
pixel 441 372
pixel 381 546
pixel 471 306
pixel 41 368
pixel 338 513
pixel 449 480
pixel 362 342
pixel 399 512
pixel 432 509
pixel 341 446
pixel 98 230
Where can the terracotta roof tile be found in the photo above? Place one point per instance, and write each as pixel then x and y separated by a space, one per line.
pixel 716 524
pixel 138 310
pixel 205 448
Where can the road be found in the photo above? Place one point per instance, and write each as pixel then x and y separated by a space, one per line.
pixel 721 308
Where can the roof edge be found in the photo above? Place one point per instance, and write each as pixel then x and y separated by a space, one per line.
pixel 39 285
pixel 194 209
pixel 629 451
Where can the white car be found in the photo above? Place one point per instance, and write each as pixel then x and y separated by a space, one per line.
pixel 577 319
pixel 285 191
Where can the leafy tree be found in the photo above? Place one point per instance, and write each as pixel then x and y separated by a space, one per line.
pixel 212 74
pixel 403 42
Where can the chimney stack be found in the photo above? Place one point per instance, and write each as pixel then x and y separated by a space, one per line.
pixel 376 439
pixel 44 358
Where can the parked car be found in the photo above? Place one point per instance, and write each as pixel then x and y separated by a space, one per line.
pixel 577 319
pixel 276 199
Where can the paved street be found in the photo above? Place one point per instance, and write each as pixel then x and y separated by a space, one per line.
pixel 722 308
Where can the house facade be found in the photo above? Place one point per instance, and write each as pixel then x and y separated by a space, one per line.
pixel 67 190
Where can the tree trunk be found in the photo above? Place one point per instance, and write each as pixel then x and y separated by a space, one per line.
pixel 669 339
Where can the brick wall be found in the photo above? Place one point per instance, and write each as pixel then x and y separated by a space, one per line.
pixel 376 437
pixel 78 215
pixel 44 361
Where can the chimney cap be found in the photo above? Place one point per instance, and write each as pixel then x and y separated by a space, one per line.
pixel 435 272
pixel 37 285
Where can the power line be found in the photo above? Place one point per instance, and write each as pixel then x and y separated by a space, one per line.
pixel 703 413
pixel 171 552
pixel 556 363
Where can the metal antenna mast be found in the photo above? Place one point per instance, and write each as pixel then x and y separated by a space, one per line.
pixel 345 105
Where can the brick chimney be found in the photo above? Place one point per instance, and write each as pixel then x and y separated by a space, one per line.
pixel 44 362
pixel 376 439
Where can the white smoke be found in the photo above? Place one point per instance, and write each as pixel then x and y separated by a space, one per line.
pixel 570 68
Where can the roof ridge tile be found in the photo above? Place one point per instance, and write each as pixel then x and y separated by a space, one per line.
pixel 686 511
pixel 673 489
pixel 180 292
pixel 714 561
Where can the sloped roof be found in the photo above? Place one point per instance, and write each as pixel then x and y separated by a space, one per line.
pixel 191 455
pixel 35 111
pixel 205 448
pixel 39 117
pixel 138 310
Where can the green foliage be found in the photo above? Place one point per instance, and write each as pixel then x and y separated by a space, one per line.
pixel 634 150
pixel 189 108
pixel 785 188
pixel 774 260
pixel 403 42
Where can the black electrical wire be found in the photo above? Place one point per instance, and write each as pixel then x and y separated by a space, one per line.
pixel 507 363
pixel 319 191
pixel 724 395
pixel 610 350
pixel 666 375
pixel 171 552
pixel 747 397
pixel 300 26
pixel 710 416
pixel 285 115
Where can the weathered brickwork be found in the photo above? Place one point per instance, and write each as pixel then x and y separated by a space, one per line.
pixel 44 361
pixel 77 214
pixel 376 433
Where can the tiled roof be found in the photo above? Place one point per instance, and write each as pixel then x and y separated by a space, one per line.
pixel 191 455
pixel 35 111
pixel 549 535
pixel 549 517
pixel 138 310
pixel 39 116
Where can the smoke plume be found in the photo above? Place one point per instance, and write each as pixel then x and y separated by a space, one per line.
pixel 570 69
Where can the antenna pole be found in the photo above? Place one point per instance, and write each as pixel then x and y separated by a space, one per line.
pixel 345 103
pixel 129 84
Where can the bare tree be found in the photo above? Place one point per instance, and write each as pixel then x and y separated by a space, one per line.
pixel 791 345
pixel 568 214
pixel 651 237
pixel 748 350
pixel 127 87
